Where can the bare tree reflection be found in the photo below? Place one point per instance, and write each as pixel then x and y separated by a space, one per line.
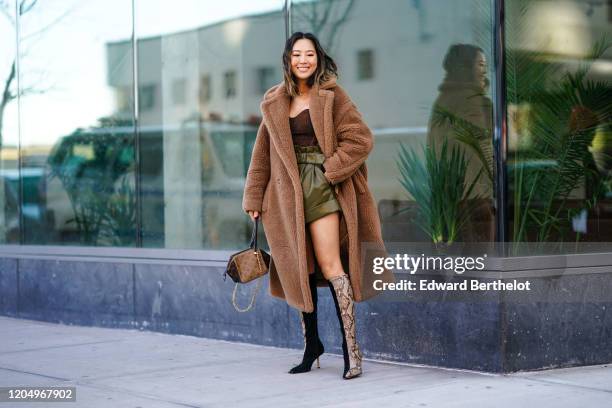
pixel 324 18
pixel 9 91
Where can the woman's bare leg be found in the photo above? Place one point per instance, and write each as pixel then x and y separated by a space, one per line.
pixel 325 234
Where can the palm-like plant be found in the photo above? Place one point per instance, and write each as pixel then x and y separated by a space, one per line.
pixel 118 226
pixel 104 217
pixel 563 116
pixel 88 212
pixel 440 187
pixel 474 137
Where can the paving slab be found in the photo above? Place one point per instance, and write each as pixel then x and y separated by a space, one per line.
pixel 134 368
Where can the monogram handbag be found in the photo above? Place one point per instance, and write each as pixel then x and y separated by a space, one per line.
pixel 248 265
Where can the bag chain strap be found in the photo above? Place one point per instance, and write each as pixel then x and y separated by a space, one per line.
pixel 258 287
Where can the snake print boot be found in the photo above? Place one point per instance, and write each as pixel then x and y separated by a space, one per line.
pixel 342 292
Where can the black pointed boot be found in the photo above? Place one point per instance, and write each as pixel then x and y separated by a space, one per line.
pixel 313 346
pixel 342 292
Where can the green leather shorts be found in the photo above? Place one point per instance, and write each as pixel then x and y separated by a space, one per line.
pixel 319 197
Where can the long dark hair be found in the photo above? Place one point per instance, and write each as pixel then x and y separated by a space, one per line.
pixel 460 61
pixel 326 67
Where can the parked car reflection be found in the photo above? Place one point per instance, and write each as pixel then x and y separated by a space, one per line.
pixel 90 190
pixel 31 209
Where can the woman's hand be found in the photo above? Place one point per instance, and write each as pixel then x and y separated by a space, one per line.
pixel 355 141
pixel 253 214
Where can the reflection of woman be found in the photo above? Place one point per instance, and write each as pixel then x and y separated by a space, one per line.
pixel 462 97
pixel 308 180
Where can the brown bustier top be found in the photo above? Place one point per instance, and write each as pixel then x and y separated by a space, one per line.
pixel 302 131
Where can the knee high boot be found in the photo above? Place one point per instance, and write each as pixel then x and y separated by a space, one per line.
pixel 342 292
pixel 313 346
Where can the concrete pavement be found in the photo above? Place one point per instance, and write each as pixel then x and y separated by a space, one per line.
pixel 132 368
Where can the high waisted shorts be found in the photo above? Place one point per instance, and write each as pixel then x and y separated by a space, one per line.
pixel 319 197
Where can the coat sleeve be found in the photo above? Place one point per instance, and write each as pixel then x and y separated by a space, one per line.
pixel 355 142
pixel 258 174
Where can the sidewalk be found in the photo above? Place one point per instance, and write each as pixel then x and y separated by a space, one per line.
pixel 129 368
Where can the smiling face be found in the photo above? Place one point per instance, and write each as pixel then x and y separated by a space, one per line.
pixel 480 69
pixel 303 59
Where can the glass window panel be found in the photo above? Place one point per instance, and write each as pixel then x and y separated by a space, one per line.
pixel 9 130
pixel 427 68
pixel 559 86
pixel 194 155
pixel 76 123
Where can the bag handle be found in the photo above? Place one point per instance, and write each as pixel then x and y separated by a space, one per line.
pixel 254 234
pixel 253 246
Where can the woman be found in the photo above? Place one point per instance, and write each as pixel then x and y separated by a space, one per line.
pixel 462 98
pixel 308 182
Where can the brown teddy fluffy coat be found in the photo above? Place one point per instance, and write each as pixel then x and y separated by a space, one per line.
pixel 273 187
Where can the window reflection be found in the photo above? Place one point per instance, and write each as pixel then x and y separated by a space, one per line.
pixel 205 89
pixel 266 78
pixel 10 222
pixel 418 73
pixel 147 94
pixel 365 64
pixel 229 84
pixel 559 107
pixel 459 144
pixel 201 76
pixel 76 133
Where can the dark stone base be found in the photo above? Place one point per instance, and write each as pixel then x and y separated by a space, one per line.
pixel 561 323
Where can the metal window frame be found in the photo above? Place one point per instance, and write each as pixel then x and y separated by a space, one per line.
pixel 287 16
pixel 132 255
pixel 500 133
pixel 20 192
pixel 136 121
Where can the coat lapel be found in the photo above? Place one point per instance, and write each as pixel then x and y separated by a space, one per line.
pixel 276 115
pixel 321 103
